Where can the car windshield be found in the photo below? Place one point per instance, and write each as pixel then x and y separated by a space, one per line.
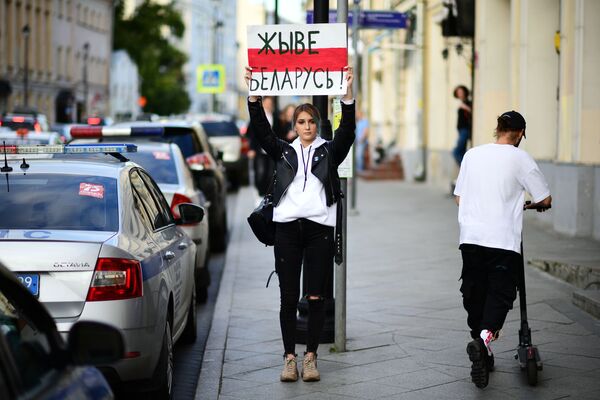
pixel 159 164
pixel 220 128
pixel 185 143
pixel 58 201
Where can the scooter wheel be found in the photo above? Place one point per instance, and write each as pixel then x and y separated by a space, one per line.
pixel 532 372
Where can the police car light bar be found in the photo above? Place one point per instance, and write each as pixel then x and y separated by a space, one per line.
pixel 96 132
pixel 68 149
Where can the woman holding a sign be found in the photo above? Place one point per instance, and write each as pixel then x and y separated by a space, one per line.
pixel 306 189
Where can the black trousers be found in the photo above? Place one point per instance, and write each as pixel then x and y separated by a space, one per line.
pixel 309 245
pixel 489 286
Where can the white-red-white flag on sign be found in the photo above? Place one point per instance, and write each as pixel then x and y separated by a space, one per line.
pixel 298 59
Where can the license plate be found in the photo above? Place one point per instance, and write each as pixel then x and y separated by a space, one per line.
pixel 31 282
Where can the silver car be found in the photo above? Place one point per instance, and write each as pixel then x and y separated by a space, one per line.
pixel 29 137
pixel 93 238
pixel 167 166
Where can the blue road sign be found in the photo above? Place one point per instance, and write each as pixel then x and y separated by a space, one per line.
pixel 369 19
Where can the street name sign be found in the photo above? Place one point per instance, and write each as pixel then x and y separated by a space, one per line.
pixel 298 60
pixel 370 19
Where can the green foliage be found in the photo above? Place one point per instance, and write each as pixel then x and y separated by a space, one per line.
pixel 146 38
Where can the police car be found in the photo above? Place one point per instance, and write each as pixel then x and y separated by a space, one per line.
pixel 93 238
pixel 208 173
pixel 24 136
pixel 165 163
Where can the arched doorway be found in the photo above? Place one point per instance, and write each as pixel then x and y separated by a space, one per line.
pixel 64 106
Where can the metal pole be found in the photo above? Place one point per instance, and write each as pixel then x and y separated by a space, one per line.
pixel 216 25
pixel 340 270
pixel 355 15
pixel 322 102
pixel 26 75
pixel 321 9
pixel 86 48
pixel 276 98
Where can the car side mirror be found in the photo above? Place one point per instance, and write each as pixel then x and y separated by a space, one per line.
pixel 190 214
pixel 94 343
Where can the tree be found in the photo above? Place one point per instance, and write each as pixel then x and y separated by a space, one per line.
pixel 146 38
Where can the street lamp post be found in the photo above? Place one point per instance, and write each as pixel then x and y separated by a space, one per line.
pixel 26 32
pixel 216 25
pixel 86 49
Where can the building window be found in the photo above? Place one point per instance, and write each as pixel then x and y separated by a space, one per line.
pixel 59 63
pixel 69 8
pixel 68 70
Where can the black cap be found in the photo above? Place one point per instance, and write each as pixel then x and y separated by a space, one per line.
pixel 514 120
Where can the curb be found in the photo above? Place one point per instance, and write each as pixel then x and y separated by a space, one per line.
pixel 209 381
pixel 577 275
pixel 588 301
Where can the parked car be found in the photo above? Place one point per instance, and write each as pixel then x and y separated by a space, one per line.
pixel 25 118
pixel 64 130
pixel 28 137
pixel 91 235
pixel 98 120
pixel 224 134
pixel 166 165
pixel 35 361
pixel 200 156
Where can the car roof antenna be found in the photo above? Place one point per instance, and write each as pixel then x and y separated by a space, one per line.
pixel 24 166
pixel 6 168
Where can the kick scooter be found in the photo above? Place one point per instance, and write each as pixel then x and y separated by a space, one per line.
pixel 527 354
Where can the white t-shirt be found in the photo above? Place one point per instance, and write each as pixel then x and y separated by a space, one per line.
pixel 305 198
pixel 491 184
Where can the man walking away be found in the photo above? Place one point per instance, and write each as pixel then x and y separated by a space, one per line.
pixel 490 193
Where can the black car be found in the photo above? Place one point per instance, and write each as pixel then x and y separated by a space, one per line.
pixel 35 362
pixel 204 162
pixel 224 135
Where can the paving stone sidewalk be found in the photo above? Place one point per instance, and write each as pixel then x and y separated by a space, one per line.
pixel 406 327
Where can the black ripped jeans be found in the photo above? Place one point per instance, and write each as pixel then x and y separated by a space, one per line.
pixel 489 286
pixel 309 244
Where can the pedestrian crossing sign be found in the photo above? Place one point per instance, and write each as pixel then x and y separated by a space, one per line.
pixel 210 78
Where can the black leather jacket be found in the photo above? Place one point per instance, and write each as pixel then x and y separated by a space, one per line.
pixel 326 159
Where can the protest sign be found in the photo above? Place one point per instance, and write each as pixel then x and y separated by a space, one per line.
pixel 299 60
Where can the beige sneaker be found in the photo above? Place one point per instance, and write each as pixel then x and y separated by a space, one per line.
pixel 309 368
pixel 290 370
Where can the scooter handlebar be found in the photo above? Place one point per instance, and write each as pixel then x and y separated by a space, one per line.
pixel 527 206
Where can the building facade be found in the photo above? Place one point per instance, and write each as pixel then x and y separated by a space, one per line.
pixel 124 87
pixel 539 57
pixel 68 56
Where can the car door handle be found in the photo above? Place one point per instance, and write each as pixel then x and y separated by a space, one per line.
pixel 169 255
pixel 182 246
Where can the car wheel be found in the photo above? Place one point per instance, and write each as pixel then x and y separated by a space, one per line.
pixel 164 370
pixel 201 294
pixel 191 326
pixel 220 237
pixel 202 276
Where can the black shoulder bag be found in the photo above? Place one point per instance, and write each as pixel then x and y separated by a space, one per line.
pixel 261 219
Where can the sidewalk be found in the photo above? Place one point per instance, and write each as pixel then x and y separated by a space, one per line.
pixel 406 327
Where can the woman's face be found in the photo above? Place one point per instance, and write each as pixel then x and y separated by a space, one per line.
pixel 306 127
